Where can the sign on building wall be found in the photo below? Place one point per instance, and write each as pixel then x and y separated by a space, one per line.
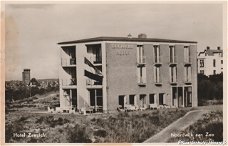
pixel 122 49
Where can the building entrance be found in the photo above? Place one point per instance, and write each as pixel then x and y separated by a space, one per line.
pixel 96 99
pixel 122 101
pixel 182 96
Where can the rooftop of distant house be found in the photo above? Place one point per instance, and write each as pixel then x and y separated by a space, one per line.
pixel 129 38
pixel 210 52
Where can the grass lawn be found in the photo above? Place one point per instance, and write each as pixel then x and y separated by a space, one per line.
pixel 131 127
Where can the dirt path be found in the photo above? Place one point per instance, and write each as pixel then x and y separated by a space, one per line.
pixel 179 125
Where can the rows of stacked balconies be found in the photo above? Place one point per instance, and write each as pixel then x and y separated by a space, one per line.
pixel 68 79
pixel 94 55
pixel 93 75
pixel 68 63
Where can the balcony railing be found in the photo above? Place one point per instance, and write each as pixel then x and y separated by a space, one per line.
pixel 68 62
pixel 158 82
pixel 157 61
pixel 95 59
pixel 141 82
pixel 90 82
pixel 69 82
pixel 173 81
pixel 141 60
pixel 188 81
pixel 187 61
pixel 98 60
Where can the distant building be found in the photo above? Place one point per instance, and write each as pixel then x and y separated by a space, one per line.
pixel 26 76
pixel 108 73
pixel 210 61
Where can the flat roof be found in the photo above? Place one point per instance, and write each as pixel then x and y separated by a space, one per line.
pixel 125 39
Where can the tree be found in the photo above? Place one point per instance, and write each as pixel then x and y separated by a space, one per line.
pixel 210 87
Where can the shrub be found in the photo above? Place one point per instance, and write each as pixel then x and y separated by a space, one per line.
pixel 100 133
pixel 8 133
pixel 22 119
pixel 51 121
pixel 78 134
pixel 212 84
pixel 93 119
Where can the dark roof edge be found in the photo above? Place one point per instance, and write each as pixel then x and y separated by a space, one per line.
pixel 125 39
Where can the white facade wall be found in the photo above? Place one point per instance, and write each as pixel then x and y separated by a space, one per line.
pixel 209 68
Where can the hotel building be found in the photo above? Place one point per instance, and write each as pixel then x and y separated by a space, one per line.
pixel 210 62
pixel 107 73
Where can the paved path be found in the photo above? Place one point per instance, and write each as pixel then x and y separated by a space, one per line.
pixel 179 125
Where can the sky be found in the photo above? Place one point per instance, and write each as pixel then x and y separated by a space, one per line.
pixel 33 30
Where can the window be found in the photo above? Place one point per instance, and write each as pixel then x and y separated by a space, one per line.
pixel 186 54
pixel 151 99
pixel 221 61
pixel 94 53
pixel 98 54
pixel 96 98
pixel 214 62
pixel 172 54
pixel 122 101
pixel 141 73
pixel 157 54
pixel 201 71
pixel 142 99
pixel 188 71
pixel 201 63
pixel 140 54
pixel 188 96
pixel 161 98
pixel 214 72
pixel 173 74
pixel 157 78
pixel 132 99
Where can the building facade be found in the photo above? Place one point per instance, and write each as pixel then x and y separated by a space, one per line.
pixel 107 73
pixel 210 61
pixel 26 76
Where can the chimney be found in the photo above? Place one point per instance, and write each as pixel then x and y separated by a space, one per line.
pixel 129 36
pixel 208 48
pixel 218 48
pixel 142 36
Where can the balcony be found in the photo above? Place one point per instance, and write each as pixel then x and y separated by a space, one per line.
pixel 173 82
pixel 69 83
pixel 188 81
pixel 141 61
pixel 157 61
pixel 93 84
pixel 142 83
pixel 173 61
pixel 187 61
pixel 158 83
pixel 71 62
pixel 98 60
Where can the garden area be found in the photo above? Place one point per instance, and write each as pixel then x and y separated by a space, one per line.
pixel 119 127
